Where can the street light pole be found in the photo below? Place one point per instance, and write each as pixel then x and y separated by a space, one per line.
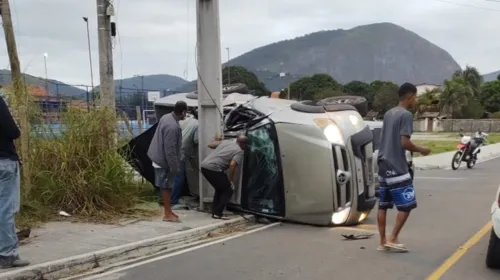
pixel 45 55
pixel 228 68
pixel 90 53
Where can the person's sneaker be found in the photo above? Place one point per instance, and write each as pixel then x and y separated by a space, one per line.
pixel 9 262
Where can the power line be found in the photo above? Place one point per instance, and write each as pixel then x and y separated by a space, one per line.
pixel 472 6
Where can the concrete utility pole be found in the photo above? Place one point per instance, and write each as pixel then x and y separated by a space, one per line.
pixel 209 83
pixel 20 91
pixel 104 12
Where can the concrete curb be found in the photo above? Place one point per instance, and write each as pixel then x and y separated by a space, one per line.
pixel 76 264
pixel 487 157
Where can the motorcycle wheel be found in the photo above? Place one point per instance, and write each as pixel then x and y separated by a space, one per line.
pixel 456 161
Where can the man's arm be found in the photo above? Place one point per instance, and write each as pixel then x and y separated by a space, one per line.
pixel 233 165
pixel 214 144
pixel 8 126
pixel 170 142
pixel 406 131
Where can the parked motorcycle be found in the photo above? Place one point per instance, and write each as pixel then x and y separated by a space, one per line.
pixel 468 148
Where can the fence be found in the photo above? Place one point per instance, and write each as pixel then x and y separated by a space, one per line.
pixel 457 125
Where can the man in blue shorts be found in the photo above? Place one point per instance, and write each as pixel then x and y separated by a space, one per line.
pixel 396 184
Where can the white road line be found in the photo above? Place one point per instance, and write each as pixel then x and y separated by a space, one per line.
pixel 100 276
pixel 438 178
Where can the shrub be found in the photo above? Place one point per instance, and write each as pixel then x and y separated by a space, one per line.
pixel 77 169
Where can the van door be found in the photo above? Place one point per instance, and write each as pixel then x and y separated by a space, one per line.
pixel 262 185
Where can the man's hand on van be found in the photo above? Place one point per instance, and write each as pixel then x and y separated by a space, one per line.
pixel 218 138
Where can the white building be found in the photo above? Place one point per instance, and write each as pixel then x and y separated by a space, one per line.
pixel 422 88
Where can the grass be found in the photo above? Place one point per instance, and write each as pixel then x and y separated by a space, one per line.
pixel 436 146
pixel 443 146
pixel 80 172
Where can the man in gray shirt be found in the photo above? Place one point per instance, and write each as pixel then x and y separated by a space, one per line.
pixel 165 153
pixel 228 155
pixel 396 184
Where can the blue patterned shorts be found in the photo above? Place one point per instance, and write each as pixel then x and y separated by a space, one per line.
pixel 395 189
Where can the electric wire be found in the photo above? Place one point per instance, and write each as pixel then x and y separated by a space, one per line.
pixel 470 6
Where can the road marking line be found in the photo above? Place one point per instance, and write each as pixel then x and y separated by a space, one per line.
pixel 99 276
pixel 440 271
pixel 438 178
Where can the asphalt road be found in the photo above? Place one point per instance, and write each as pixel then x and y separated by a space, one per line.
pixel 453 206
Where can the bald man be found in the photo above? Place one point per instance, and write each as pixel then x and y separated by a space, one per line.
pixel 227 156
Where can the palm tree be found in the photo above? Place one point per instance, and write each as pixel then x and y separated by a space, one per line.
pixel 454 96
pixel 473 79
pixel 428 100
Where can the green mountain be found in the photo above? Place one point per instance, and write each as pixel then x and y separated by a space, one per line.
pixel 380 51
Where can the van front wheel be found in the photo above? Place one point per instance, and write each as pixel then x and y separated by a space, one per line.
pixel 493 254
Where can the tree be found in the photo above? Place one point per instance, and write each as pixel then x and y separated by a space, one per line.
pixel 307 87
pixel 454 96
pixel 472 78
pixel 490 96
pixel 240 74
pixel 429 100
pixel 386 98
pixel 325 93
pixel 360 89
pixel 378 84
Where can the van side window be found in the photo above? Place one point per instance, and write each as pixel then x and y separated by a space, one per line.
pixel 261 163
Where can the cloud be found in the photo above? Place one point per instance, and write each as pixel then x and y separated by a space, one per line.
pixel 159 36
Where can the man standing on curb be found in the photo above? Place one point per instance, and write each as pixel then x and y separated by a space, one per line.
pixel 396 184
pixel 228 155
pixel 10 189
pixel 165 153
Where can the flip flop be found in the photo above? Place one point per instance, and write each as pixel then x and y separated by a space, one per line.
pixel 219 217
pixel 171 220
pixel 379 248
pixel 398 247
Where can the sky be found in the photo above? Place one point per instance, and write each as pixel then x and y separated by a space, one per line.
pixel 159 36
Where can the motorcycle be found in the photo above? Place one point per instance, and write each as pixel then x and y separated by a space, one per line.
pixel 468 148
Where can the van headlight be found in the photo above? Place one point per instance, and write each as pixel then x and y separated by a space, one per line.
pixel 331 131
pixel 341 216
pixel 357 121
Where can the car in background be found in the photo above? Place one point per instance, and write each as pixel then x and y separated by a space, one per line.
pixel 493 253
pixel 376 128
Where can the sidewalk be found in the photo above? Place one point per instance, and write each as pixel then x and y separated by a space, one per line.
pixel 57 246
pixel 443 160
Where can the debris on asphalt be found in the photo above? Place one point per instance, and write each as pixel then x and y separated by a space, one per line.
pixel 357 236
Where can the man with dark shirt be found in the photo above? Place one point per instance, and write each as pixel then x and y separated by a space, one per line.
pixel 396 184
pixel 9 189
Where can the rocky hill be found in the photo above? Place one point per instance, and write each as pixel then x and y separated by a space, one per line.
pixel 491 76
pixel 125 86
pixel 381 51
pixel 55 87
